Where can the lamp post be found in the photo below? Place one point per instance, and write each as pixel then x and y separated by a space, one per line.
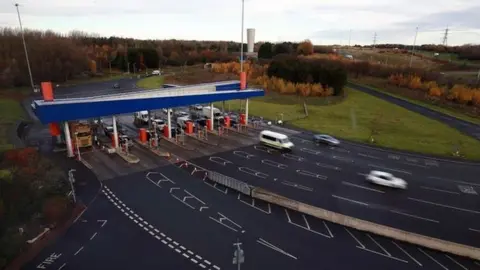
pixel 413 47
pixel 241 46
pixel 25 47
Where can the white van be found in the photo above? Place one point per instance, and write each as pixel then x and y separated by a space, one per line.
pixel 276 140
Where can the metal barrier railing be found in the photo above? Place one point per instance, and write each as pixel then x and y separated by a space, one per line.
pixel 230 182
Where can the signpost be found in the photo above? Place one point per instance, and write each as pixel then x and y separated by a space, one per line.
pixel 238 255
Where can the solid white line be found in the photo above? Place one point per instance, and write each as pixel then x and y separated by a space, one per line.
pixel 416 165
pixel 386 252
pixel 93 236
pixel 431 258
pixel 288 216
pixel 369 156
pixel 78 251
pixel 413 216
pixel 459 264
pixel 474 230
pixel 350 200
pixel 306 221
pixel 328 229
pixel 381 254
pixel 267 244
pixel 219 222
pixel 388 169
pixel 353 236
pixel 411 257
pixel 446 206
pixel 363 187
pixel 455 181
pixel 63 265
pixel 440 190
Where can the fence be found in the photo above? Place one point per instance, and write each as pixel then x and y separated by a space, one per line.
pixel 230 182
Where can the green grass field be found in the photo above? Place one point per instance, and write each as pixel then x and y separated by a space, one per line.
pixel 151 82
pixel 10 112
pixel 450 112
pixel 361 114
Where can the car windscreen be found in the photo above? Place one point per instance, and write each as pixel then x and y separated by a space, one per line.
pixel 284 141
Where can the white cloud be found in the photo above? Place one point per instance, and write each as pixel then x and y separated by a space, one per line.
pixel 325 22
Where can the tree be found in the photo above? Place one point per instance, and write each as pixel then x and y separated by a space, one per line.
pixel 282 48
pixel 266 51
pixel 305 47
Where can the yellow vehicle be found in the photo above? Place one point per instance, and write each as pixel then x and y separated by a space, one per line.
pixel 82 134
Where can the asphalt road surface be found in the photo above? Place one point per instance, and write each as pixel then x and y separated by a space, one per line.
pixel 466 127
pixel 168 218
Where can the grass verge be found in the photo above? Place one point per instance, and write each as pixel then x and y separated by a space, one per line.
pixel 10 112
pixel 361 115
pixel 151 82
pixel 450 112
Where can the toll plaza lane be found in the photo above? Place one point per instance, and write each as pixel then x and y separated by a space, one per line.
pixel 203 221
pixel 346 192
pixel 103 238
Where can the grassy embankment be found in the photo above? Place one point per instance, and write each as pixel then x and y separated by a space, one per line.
pixel 10 112
pixel 360 116
pixel 447 111
pixel 151 82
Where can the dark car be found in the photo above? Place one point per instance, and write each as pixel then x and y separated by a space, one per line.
pixel 325 139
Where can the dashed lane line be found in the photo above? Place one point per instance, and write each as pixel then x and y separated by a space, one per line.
pixel 164 239
pixel 362 187
pixel 440 190
pixel 350 200
pixel 444 205
pixel 414 216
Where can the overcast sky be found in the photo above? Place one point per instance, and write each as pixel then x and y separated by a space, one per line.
pixel 322 21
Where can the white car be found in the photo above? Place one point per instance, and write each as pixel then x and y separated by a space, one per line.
pixel 386 179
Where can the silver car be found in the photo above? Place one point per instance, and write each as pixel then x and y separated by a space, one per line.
pixel 325 139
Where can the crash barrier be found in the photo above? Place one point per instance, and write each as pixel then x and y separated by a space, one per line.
pixel 229 182
pixel 366 226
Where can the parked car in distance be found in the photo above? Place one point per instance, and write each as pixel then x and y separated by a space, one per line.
pixel 386 179
pixel 325 139
pixel 196 107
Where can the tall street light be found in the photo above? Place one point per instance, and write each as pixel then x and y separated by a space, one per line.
pixel 241 46
pixel 413 47
pixel 25 48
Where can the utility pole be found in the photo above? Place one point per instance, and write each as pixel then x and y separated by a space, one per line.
pixel 445 37
pixel 241 46
pixel 25 48
pixel 238 255
pixel 413 47
pixel 374 39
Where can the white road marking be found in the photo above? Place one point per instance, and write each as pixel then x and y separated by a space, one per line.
pixel 355 238
pixel 467 190
pixel 63 265
pixel 413 216
pixel 93 236
pixel 446 206
pixel 202 265
pixel 207 262
pixel 311 174
pixel 388 169
pixel 440 190
pixel 454 181
pixel 362 187
pixel 253 172
pixel 368 156
pixel 175 243
pixel 457 263
pixel 410 256
pixel 170 246
pixel 220 161
pixel 243 154
pixel 193 260
pixel 293 157
pixel 136 221
pixel 415 165
pixel 151 227
pixel 327 166
pixel 381 254
pixel 158 237
pixel 189 252
pixel 295 185
pixel 267 244
pixel 150 232
pixel 169 239
pixel 252 204
pixel 343 158
pixel 383 249
pixel 162 234
pixel 431 258
pixel 394 157
pixel 310 151
pixel 307 228
pixel 350 200
pixel 274 164
pixel 185 255
pixel 78 251
pixel 182 247
pixel 216 267
pixel 164 242
pixel 474 230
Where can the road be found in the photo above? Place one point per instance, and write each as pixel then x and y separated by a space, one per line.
pixel 167 218
pixel 468 128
